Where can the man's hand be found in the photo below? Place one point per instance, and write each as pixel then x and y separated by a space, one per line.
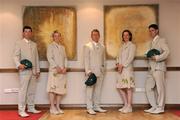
pixel 89 73
pixel 153 58
pixel 37 75
pixel 21 67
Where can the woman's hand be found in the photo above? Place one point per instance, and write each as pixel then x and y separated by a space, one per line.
pixel 120 68
pixel 59 70
pixel 64 70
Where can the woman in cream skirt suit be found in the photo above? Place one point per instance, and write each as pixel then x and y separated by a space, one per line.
pixel 56 86
pixel 125 82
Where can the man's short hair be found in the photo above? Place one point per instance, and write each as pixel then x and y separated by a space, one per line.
pixel 27 27
pixel 155 26
pixel 95 30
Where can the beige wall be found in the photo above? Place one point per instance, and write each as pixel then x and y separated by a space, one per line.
pixel 89 16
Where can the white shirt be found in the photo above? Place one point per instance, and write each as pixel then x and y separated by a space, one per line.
pixel 57 45
pixel 26 40
pixel 96 44
pixel 155 38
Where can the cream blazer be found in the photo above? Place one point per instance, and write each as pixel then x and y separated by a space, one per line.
pixel 161 45
pixel 24 50
pixel 126 55
pixel 94 58
pixel 56 56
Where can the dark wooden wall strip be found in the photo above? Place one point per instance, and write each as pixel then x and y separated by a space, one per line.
pixel 173 68
pixel 8 70
pixel 13 70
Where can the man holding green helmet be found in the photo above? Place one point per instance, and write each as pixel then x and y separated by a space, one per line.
pixel 155 83
pixel 94 63
pixel 27 62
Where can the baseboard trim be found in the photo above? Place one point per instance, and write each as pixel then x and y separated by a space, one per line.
pixel 82 106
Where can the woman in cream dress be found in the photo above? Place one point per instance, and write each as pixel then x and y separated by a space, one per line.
pixel 57 59
pixel 125 82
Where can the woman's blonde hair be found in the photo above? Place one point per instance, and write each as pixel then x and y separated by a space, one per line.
pixel 56 31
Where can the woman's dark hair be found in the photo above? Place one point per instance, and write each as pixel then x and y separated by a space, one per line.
pixel 130 34
pixel 27 27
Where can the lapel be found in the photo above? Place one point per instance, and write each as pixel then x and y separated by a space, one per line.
pixel 29 44
pixel 126 45
pixel 155 42
pixel 57 48
pixel 96 47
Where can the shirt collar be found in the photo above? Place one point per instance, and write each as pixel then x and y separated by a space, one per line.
pixel 26 40
pixel 95 43
pixel 127 43
pixel 58 45
pixel 155 38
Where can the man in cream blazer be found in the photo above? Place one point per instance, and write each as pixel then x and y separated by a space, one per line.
pixel 27 49
pixel 94 60
pixel 155 83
